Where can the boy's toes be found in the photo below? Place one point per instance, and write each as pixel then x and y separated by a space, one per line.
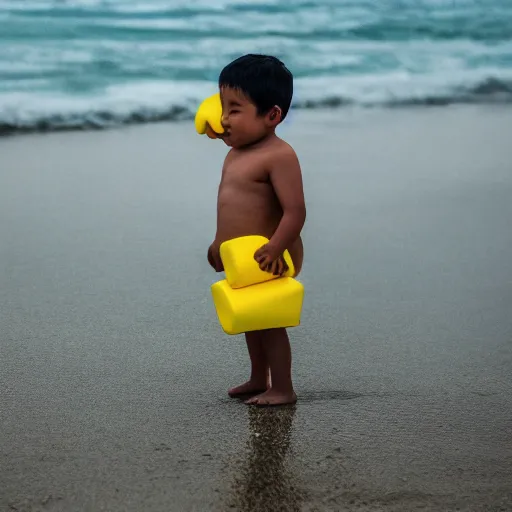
pixel 260 399
pixel 272 398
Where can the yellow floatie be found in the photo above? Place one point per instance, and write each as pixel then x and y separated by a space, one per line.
pixel 250 299
pixel 208 117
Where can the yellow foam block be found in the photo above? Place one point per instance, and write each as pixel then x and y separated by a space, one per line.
pixel 268 305
pixel 209 113
pixel 241 268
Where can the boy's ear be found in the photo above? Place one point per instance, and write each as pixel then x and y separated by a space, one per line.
pixel 275 114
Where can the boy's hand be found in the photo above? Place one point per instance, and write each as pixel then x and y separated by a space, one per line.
pixel 270 260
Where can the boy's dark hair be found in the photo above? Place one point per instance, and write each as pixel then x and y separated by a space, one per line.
pixel 263 78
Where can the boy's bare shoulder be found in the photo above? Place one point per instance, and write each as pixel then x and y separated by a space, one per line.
pixel 282 153
pixel 283 147
pixel 279 150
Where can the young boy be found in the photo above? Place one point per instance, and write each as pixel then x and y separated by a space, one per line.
pixel 260 193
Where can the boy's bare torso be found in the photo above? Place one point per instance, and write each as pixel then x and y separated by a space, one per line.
pixel 247 203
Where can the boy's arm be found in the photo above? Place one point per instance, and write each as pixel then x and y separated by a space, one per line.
pixel 213 254
pixel 286 178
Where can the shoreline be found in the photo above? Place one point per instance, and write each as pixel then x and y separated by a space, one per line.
pixel 181 116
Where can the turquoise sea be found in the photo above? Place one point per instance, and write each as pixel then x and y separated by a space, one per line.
pixel 95 63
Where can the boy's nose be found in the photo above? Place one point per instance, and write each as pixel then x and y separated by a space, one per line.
pixel 224 121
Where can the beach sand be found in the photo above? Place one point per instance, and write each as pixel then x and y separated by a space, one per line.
pixel 114 369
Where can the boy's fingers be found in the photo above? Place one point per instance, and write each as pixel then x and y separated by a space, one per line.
pixel 259 253
pixel 277 267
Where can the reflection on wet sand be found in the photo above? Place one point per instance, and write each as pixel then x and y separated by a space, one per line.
pixel 265 481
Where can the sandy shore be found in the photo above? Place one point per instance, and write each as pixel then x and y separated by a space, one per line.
pixel 114 369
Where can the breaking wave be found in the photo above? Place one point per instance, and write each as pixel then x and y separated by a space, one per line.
pixel 123 106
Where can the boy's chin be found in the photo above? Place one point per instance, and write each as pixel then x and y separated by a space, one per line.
pixel 232 143
pixel 236 143
pixel 226 139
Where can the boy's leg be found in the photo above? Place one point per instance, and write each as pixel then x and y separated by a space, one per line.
pixel 259 379
pixel 276 346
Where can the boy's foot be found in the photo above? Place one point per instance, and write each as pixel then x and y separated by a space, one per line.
pixel 248 388
pixel 273 397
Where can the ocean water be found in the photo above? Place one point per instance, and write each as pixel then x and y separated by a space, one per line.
pixel 68 64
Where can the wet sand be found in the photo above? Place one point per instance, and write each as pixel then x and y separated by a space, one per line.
pixel 114 370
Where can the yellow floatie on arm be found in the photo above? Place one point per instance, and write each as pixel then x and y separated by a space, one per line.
pixel 208 117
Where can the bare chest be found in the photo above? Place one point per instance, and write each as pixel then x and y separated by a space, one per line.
pixel 246 191
pixel 244 171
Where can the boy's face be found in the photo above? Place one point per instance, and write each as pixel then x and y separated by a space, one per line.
pixel 240 120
